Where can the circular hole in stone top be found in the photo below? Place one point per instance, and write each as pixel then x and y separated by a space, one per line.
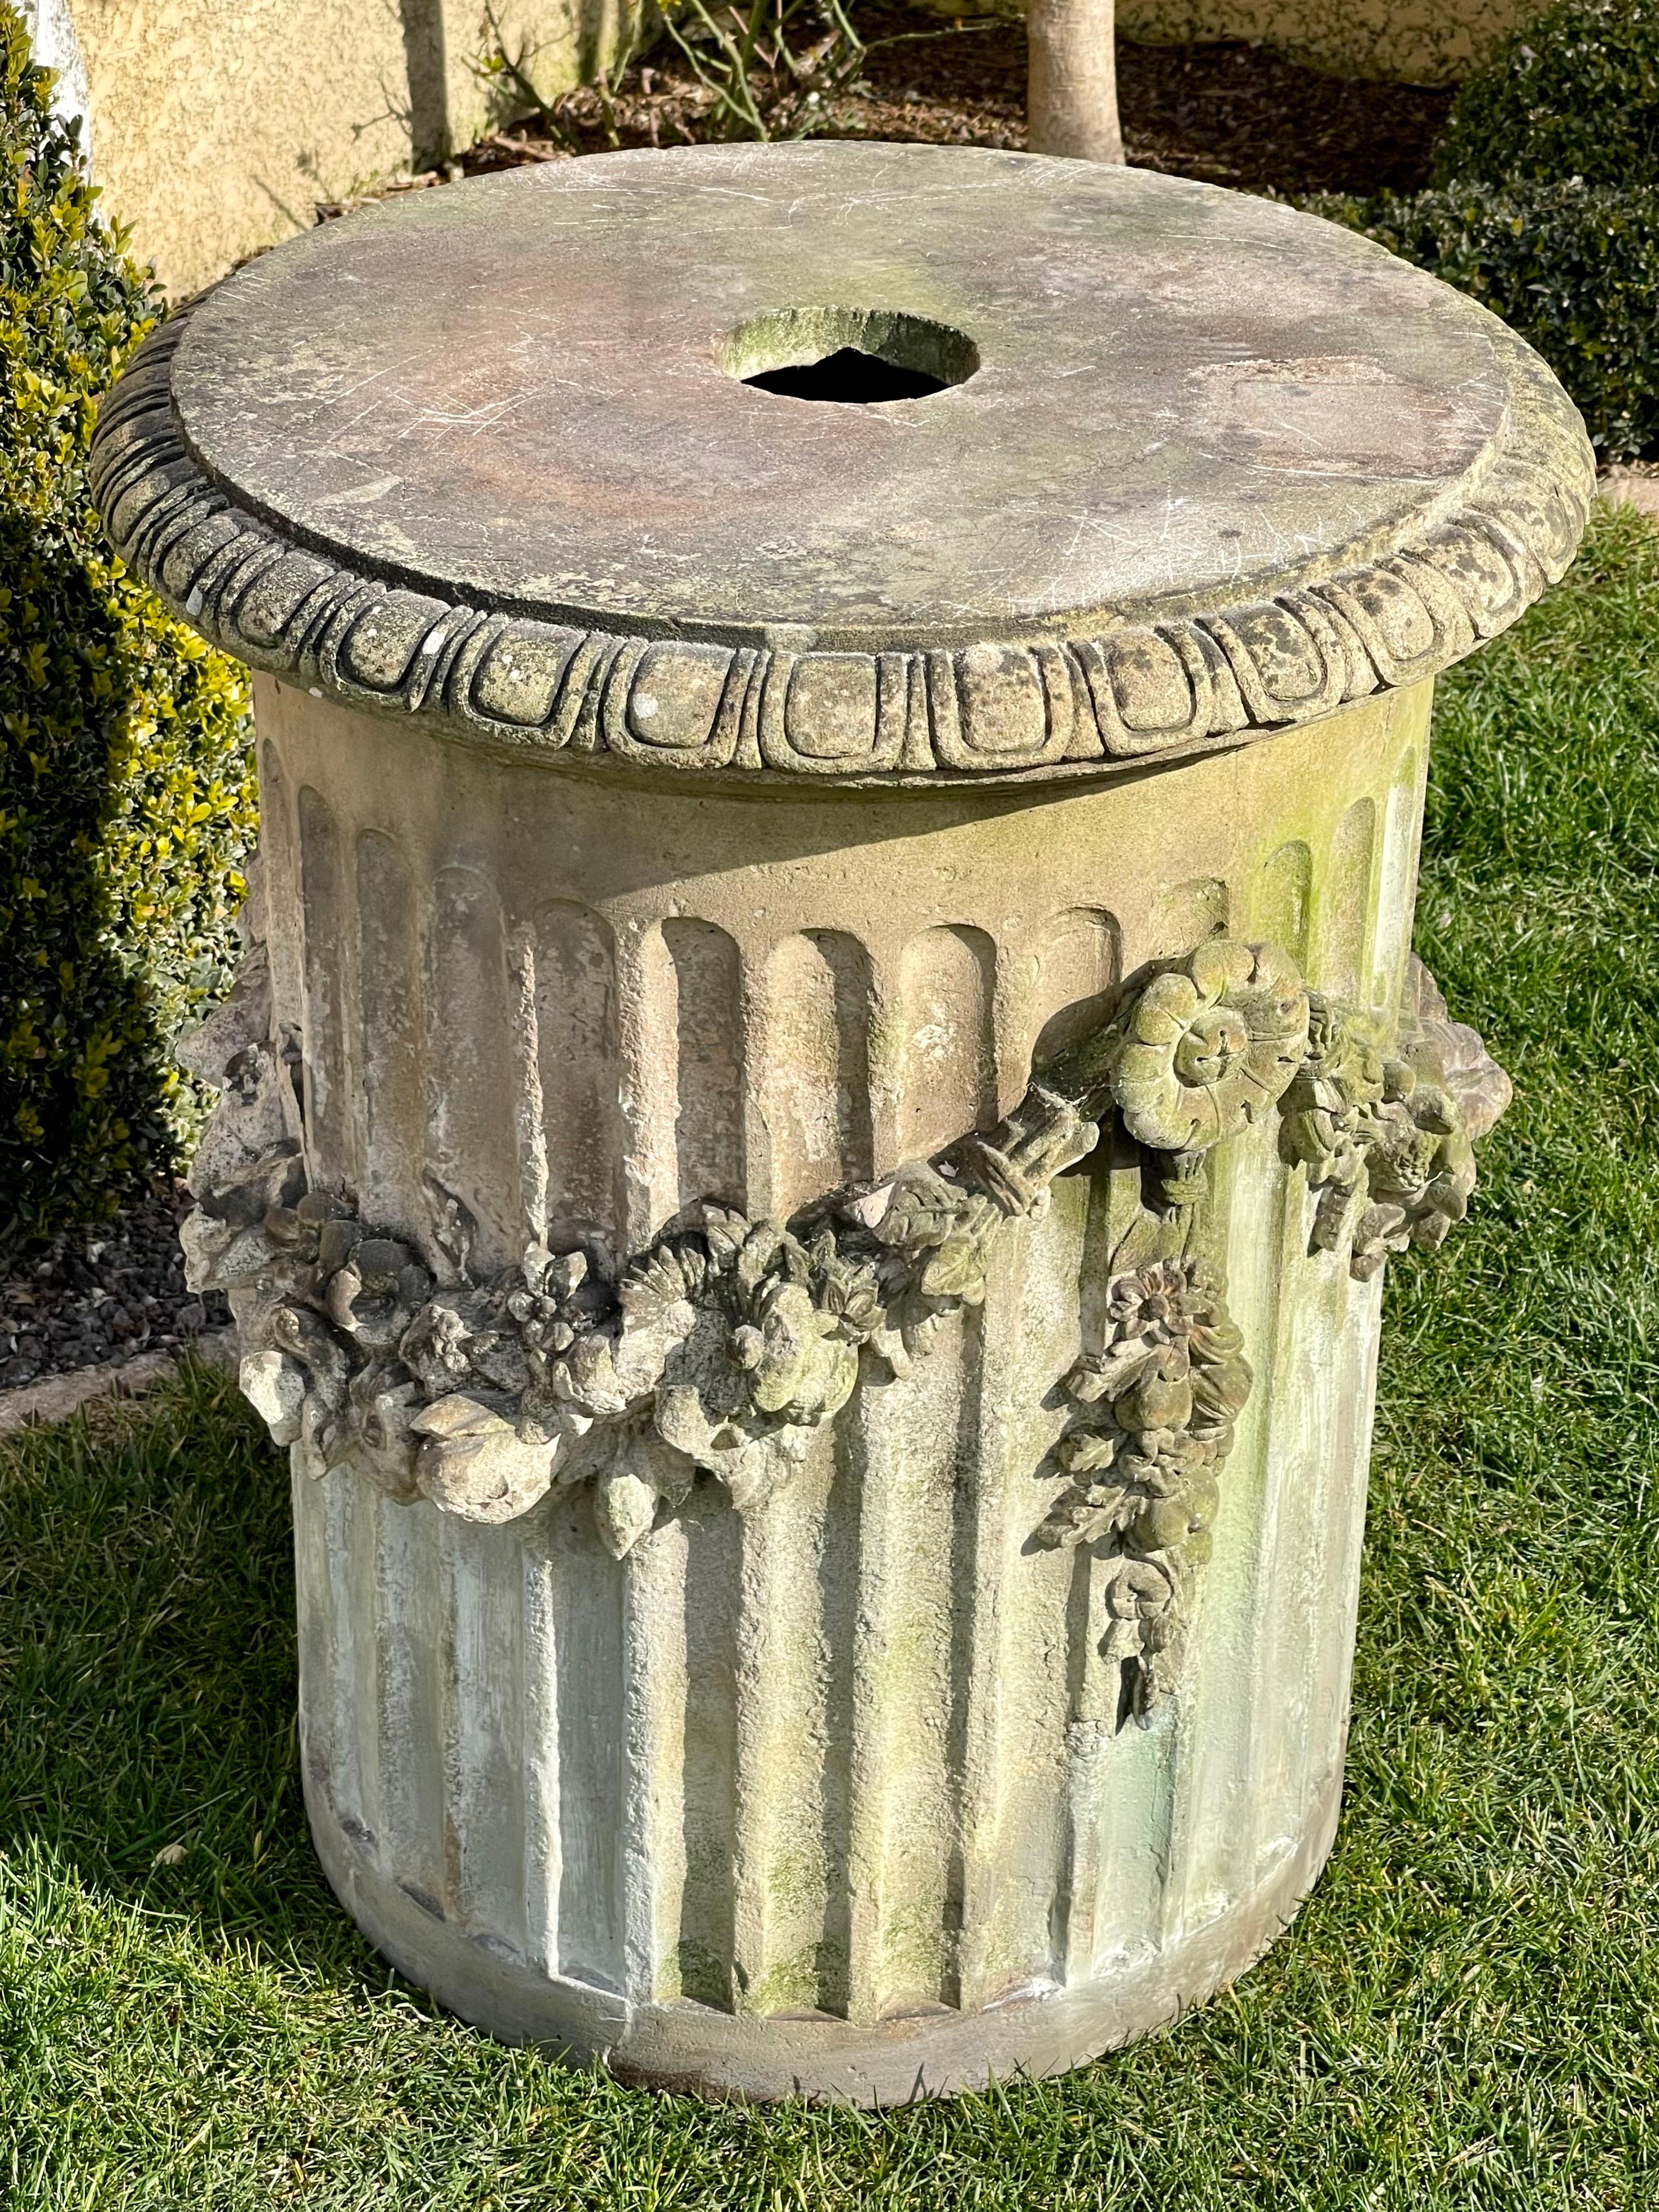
pixel 848 356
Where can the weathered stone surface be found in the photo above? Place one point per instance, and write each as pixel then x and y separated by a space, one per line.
pixel 909 1640
pixel 1210 468
pixel 824 1315
pixel 1632 487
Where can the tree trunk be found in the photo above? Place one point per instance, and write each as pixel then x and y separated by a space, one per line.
pixel 1071 104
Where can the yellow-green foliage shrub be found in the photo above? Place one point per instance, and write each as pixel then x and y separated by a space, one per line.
pixel 126 792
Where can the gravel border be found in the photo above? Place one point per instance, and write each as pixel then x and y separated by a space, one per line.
pixel 112 1292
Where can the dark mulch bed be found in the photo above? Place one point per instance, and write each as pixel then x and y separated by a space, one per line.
pixel 1240 116
pixel 105 1293
pixel 1232 113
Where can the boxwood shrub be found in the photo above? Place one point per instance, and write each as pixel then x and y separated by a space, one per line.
pixel 1573 267
pixel 1545 206
pixel 1576 93
pixel 126 794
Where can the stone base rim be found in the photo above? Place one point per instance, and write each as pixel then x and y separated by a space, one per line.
pixel 695 2049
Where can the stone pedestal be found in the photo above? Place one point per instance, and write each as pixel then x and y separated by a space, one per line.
pixel 829 1060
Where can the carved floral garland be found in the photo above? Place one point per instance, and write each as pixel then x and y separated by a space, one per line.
pixel 724 1344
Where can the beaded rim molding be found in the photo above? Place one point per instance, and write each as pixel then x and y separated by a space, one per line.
pixel 1000 709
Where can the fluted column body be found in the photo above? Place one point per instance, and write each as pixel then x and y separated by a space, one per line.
pixel 830 1057
pixel 800 1793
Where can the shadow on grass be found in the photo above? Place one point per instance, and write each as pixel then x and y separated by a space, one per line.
pixel 147 1671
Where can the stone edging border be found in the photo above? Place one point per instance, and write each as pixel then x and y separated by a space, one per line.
pixel 979 710
pixel 1626 486
pixel 55 1397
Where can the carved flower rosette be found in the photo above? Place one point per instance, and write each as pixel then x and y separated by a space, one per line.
pixel 716 1351
pixel 1210 1046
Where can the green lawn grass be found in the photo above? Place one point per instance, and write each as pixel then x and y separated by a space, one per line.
pixel 1466 2013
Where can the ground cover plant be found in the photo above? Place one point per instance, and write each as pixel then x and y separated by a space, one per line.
pixel 1464 2014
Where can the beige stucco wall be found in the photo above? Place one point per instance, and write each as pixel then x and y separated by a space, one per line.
pixel 1415 41
pixel 217 124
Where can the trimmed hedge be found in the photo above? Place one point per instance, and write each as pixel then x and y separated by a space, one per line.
pixel 1574 95
pixel 1574 268
pixel 126 788
pixel 1545 206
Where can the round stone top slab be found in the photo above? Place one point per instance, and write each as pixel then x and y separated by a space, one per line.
pixel 1180 465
